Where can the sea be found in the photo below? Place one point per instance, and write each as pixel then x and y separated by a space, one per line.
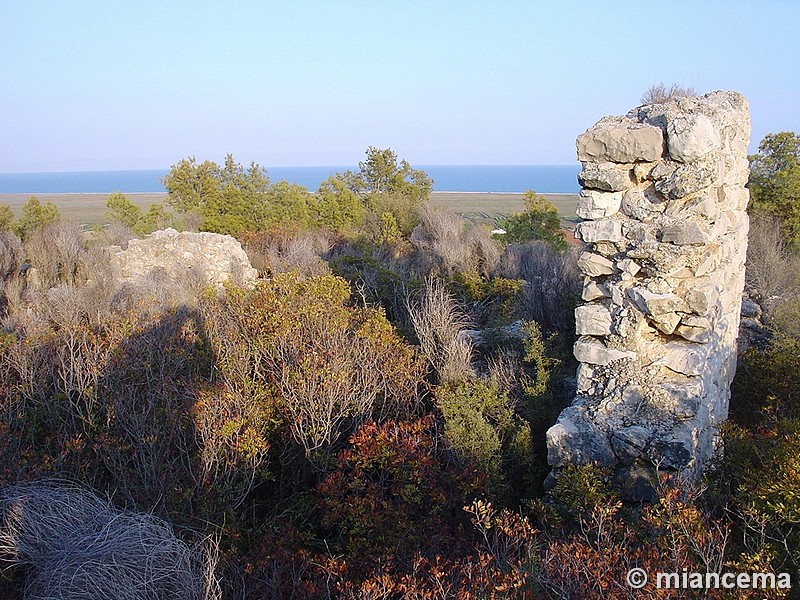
pixel 545 179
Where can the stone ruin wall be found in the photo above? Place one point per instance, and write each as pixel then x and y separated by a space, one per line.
pixel 663 204
pixel 207 258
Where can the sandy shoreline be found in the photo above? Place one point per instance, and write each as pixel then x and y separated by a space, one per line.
pixel 89 209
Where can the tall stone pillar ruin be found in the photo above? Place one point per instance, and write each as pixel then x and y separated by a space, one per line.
pixel 663 204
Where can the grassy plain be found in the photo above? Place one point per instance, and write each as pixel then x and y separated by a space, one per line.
pixel 488 208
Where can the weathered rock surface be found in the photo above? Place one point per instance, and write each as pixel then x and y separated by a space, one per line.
pixel 666 232
pixel 592 319
pixel 606 177
pixel 621 140
pixel 210 258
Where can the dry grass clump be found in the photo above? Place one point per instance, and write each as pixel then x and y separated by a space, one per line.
pixel 158 290
pixel 659 93
pixel 448 244
pixel 438 322
pixel 11 256
pixel 553 282
pixel 114 234
pixel 282 249
pixel 57 252
pixel 74 545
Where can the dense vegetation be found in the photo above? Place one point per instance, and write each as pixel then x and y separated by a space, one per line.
pixel 365 422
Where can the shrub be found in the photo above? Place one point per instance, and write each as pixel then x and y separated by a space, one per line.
pixel 337 207
pixel 539 221
pixel 389 490
pixel 659 93
pixel 590 540
pixel 105 403
pixel 377 278
pixel 772 271
pixel 327 365
pixel 446 244
pixel 390 189
pixel 281 249
pixel 11 255
pixel 482 427
pixel 774 182
pixel 121 210
pixel 553 283
pixel 114 234
pixel 35 216
pixel 766 387
pixel 6 218
pixel 757 481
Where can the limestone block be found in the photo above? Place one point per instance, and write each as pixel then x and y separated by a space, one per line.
pixel 686 398
pixel 684 358
pixel 609 230
pixel 708 263
pixel 594 352
pixel 706 206
pixel 690 178
pixel 656 304
pixel 628 267
pixel 593 290
pixel 584 378
pixel 686 233
pixel 594 265
pixel 575 439
pixel 621 140
pixel 691 136
pixel 666 323
pixel 592 319
pixel 641 205
pixel 694 329
pixel 629 443
pixel 642 170
pixel 607 177
pixel 673 451
pixel 596 205
pixel 697 301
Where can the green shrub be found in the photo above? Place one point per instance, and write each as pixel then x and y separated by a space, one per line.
pixel 539 221
pixel 35 216
pixel 482 427
pixel 6 218
pixel 758 481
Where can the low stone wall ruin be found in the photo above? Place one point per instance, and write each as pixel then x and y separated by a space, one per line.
pixel 205 258
pixel 665 223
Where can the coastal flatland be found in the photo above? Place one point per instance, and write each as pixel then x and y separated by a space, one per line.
pixel 488 208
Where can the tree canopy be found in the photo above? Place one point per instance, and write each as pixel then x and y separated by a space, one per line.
pixel 775 181
pixel 391 191
pixel 385 193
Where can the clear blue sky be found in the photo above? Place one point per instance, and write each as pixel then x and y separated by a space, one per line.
pixel 137 85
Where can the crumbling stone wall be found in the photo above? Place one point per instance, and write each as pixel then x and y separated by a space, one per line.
pixel 664 206
pixel 208 258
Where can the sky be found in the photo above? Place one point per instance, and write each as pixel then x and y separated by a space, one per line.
pixel 140 85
